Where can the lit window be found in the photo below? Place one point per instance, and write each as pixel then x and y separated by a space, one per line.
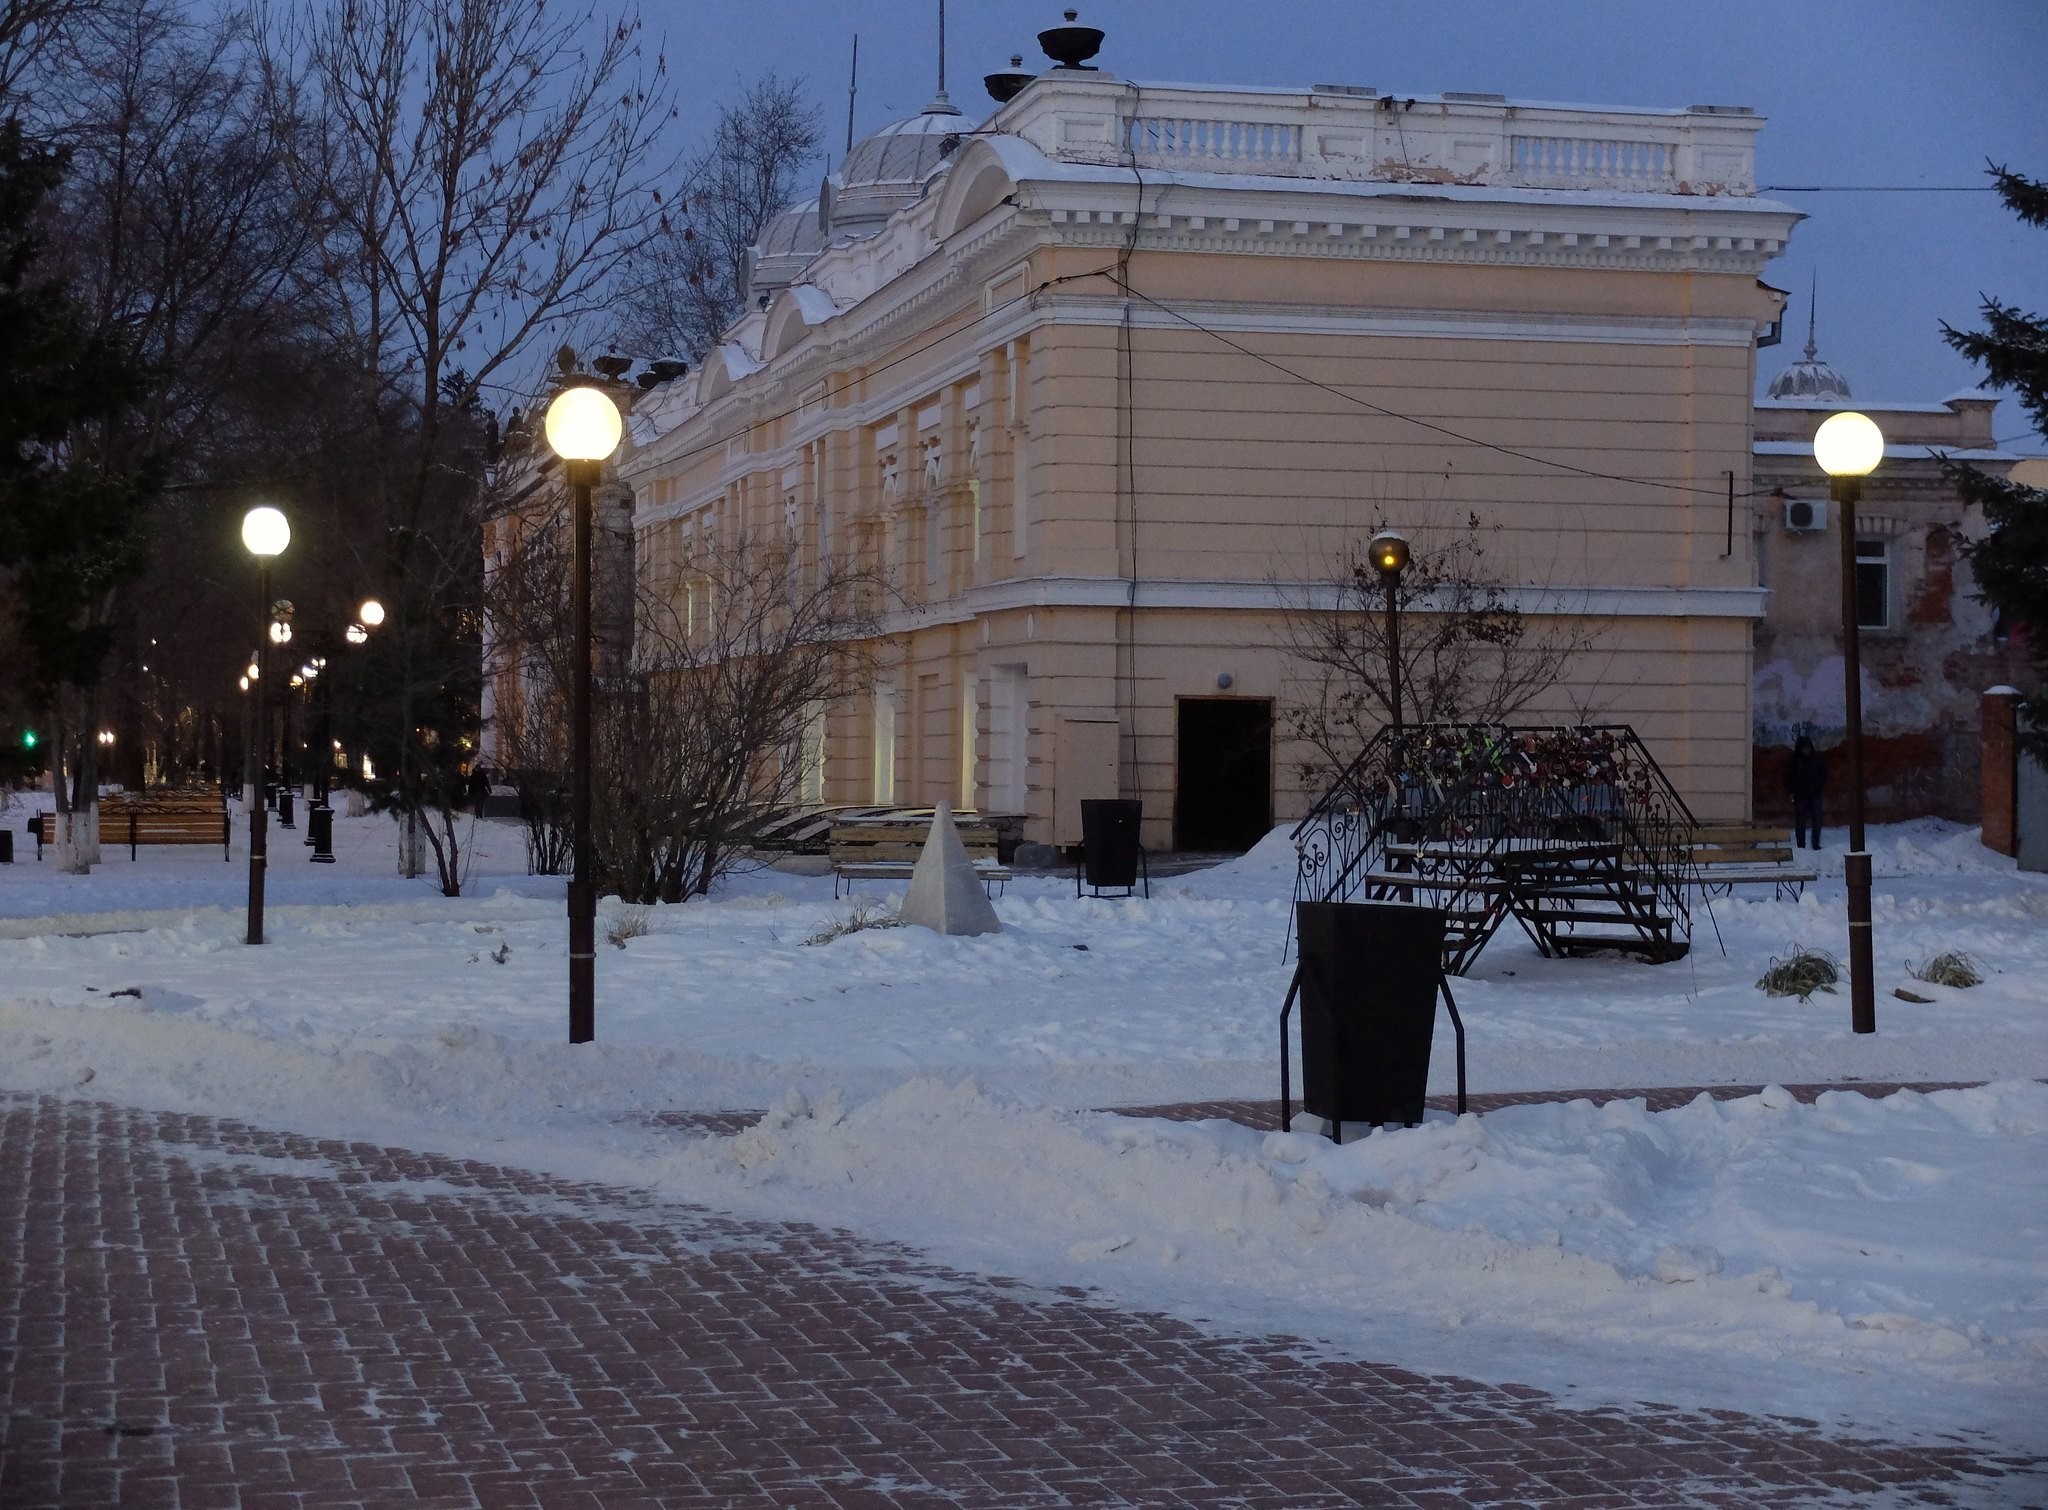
pixel 1873 584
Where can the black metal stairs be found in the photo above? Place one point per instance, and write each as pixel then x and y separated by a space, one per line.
pixel 1573 832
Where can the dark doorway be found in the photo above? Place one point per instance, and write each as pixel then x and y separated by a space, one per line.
pixel 1223 789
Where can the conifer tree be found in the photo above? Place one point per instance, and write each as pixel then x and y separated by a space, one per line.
pixel 71 529
pixel 2011 562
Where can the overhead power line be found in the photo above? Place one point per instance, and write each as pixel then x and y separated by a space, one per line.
pixel 1879 189
pixel 1443 430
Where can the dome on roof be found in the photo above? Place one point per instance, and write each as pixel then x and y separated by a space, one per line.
pixel 1810 377
pixel 788 242
pixel 887 170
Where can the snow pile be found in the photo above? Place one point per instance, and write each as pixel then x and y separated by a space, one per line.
pixel 1851 1239
pixel 1758 1224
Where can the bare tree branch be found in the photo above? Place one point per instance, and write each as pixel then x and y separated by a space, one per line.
pixel 690 281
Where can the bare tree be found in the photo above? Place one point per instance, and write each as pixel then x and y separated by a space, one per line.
pixel 716 719
pixel 478 176
pixel 691 282
pixel 29 32
pixel 1468 652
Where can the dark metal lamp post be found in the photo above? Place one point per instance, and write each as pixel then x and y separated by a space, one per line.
pixel 1848 447
pixel 1388 551
pixel 266 532
pixel 583 427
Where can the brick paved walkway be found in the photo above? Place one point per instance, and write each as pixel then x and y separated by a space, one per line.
pixel 196 1313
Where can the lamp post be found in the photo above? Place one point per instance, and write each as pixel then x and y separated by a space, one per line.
pixel 320 813
pixel 281 636
pixel 583 427
pixel 1388 552
pixel 265 532
pixel 1848 447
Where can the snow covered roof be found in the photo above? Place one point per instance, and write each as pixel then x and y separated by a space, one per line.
pixel 1892 453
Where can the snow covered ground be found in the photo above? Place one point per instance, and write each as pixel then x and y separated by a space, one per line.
pixel 1879 1263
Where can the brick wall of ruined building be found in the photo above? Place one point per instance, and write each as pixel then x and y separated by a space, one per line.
pixel 1926 666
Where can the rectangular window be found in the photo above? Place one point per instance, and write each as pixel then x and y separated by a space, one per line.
pixel 1873 584
pixel 812 790
pixel 885 745
pixel 1020 497
pixel 969 728
pixel 974 490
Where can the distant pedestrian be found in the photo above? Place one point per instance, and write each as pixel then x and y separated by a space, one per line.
pixel 1806 776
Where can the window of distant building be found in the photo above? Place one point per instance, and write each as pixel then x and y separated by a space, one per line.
pixel 1873 584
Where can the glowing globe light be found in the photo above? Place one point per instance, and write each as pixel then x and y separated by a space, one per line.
pixel 583 425
pixel 265 531
pixel 371 614
pixel 1848 445
pixel 1389 551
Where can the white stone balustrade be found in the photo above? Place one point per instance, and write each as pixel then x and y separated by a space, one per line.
pixel 1356 134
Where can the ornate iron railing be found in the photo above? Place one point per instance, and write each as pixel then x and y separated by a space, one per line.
pixel 1443 800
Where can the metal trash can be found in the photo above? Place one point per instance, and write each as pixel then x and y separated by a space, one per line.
pixel 6 846
pixel 1368 978
pixel 320 833
pixel 284 807
pixel 1110 852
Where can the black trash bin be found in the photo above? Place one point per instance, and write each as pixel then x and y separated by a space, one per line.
pixel 1110 852
pixel 284 808
pixel 6 846
pixel 320 833
pixel 1369 976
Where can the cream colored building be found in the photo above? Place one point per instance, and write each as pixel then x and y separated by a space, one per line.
pixel 1111 379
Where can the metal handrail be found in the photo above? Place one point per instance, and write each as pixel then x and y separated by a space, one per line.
pixel 1490 784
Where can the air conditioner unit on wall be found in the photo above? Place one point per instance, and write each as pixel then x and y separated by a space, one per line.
pixel 1806 515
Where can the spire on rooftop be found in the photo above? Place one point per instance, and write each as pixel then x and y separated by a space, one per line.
pixel 1810 377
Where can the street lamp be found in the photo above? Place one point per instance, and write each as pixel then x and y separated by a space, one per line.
pixel 265 532
pixel 1848 447
pixel 583 427
pixel 1388 552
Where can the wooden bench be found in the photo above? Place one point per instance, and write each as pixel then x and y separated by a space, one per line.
pixel 148 818
pixel 1727 855
pixel 888 851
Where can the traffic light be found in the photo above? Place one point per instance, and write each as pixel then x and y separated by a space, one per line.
pixel 28 739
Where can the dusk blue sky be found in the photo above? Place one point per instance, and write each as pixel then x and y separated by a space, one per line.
pixel 1856 92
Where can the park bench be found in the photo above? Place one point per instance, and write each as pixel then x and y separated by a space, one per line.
pixel 887 850
pixel 1727 855
pixel 169 817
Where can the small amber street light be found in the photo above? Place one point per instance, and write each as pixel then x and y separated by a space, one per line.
pixel 1388 552
pixel 1848 447
pixel 583 427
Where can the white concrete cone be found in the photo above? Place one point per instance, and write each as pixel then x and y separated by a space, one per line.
pixel 946 895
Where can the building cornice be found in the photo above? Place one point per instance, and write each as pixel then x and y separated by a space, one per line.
pixel 1023 593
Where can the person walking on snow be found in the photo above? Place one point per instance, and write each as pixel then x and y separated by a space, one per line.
pixel 1806 775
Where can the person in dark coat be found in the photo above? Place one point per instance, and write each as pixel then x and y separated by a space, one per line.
pixel 1806 776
